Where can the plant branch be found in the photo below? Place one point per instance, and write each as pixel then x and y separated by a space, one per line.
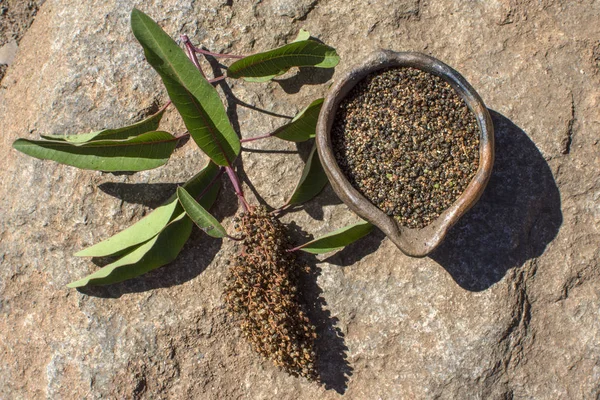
pixel 165 106
pixel 252 139
pixel 216 55
pixel 217 79
pixel 237 187
pixel 189 49
pixel 297 248
pixel 281 209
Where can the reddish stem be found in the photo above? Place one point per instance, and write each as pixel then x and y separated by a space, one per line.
pixel 189 49
pixel 296 248
pixel 252 139
pixel 217 79
pixel 165 106
pixel 216 55
pixel 237 187
pixel 281 209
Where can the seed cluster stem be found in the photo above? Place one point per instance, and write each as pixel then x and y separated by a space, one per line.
pixel 237 187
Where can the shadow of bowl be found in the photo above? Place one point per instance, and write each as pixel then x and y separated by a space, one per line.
pixel 516 219
pixel 413 242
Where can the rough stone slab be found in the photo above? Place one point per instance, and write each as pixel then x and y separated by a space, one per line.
pixel 508 307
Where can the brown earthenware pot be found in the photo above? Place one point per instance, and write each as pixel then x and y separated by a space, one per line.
pixel 413 242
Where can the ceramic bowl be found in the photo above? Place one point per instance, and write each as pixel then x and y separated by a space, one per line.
pixel 413 242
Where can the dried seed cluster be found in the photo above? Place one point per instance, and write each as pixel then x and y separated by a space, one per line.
pixel 262 291
pixel 408 142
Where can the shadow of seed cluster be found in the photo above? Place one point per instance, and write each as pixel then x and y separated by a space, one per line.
pixel 408 142
pixel 261 291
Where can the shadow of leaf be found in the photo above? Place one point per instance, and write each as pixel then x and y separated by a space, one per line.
pixel 358 250
pixel 305 76
pixel 149 194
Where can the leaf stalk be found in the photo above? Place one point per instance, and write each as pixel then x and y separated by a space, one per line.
pixel 189 50
pixel 216 55
pixel 237 187
pixel 252 139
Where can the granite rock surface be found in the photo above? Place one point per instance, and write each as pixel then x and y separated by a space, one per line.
pixel 508 306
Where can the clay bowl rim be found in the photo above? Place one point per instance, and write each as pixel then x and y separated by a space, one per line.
pixel 413 242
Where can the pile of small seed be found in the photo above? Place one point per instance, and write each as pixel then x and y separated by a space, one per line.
pixel 262 292
pixel 408 142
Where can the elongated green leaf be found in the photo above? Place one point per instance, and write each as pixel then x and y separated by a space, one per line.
pixel 156 252
pixel 196 100
pixel 337 239
pixel 312 181
pixel 149 226
pixel 146 151
pixel 262 67
pixel 304 124
pixel 146 125
pixel 199 215
pixel 140 232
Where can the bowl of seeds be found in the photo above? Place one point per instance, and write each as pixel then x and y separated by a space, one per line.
pixel 408 145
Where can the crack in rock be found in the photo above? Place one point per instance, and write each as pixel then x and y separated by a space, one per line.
pixel 578 279
pixel 596 56
pixel 518 330
pixel 568 139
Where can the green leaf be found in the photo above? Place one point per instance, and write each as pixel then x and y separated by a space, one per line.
pixel 199 215
pixel 262 67
pixel 149 226
pixel 146 125
pixel 337 239
pixel 312 181
pixel 304 124
pixel 156 252
pixel 302 35
pixel 146 151
pixel 196 100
